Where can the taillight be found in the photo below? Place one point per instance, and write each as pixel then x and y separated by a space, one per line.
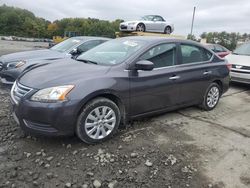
pixel 229 66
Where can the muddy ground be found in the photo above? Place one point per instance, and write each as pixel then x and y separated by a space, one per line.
pixel 185 148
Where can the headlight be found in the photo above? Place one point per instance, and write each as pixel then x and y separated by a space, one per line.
pixel 52 94
pixel 132 23
pixel 16 64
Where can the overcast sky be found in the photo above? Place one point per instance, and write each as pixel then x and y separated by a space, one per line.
pixel 211 15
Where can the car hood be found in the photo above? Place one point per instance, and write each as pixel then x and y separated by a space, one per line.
pixel 44 54
pixel 238 59
pixel 128 22
pixel 60 72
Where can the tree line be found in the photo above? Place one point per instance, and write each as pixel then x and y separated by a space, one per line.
pixel 228 40
pixel 23 23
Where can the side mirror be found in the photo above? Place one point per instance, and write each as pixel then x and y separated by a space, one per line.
pixel 74 52
pixel 144 65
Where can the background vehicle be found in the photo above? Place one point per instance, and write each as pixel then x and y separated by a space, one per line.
pixel 117 81
pixel 150 23
pixel 67 34
pixel 218 49
pixel 12 65
pixel 240 60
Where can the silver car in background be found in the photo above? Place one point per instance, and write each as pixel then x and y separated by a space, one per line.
pixel 240 60
pixel 149 23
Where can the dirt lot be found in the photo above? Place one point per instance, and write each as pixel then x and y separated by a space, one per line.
pixel 185 148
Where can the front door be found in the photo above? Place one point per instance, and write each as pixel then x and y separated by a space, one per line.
pixel 155 90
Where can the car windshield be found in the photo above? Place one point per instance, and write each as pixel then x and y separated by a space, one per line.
pixel 147 18
pixel 112 52
pixel 243 49
pixel 66 45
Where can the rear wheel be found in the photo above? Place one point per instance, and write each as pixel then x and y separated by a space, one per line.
pixel 140 27
pixel 212 97
pixel 167 30
pixel 98 121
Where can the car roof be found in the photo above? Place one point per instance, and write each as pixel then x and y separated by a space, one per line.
pixel 154 39
pixel 85 38
pixel 153 15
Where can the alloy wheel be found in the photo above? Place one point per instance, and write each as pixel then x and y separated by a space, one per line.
pixel 168 30
pixel 213 96
pixel 140 28
pixel 100 122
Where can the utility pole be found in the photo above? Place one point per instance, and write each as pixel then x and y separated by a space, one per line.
pixel 193 21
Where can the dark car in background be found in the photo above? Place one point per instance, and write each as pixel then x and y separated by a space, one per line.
pixel 117 81
pixel 221 51
pixel 12 65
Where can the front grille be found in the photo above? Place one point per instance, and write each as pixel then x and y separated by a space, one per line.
pixel 124 27
pixel 18 91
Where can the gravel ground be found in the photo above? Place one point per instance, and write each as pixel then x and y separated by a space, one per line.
pixel 185 148
pixel 16 46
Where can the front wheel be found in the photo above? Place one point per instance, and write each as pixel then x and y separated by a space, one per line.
pixel 212 97
pixel 98 121
pixel 140 28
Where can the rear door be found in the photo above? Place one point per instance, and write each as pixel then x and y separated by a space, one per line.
pixel 194 72
pixel 155 90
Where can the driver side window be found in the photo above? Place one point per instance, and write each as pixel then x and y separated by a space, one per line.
pixel 162 55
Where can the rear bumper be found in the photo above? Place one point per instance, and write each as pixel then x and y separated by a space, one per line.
pixel 240 77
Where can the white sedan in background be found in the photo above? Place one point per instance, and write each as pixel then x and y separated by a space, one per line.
pixel 150 23
pixel 240 61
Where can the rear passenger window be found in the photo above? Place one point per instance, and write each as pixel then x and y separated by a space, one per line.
pixel 162 55
pixel 194 54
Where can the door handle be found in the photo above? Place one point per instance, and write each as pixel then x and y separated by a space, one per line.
pixel 174 77
pixel 207 72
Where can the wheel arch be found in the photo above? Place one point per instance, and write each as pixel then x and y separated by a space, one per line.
pixel 109 95
pixel 219 82
pixel 171 29
pixel 142 24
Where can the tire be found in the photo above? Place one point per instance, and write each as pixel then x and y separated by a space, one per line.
pixel 140 28
pixel 94 128
pixel 167 30
pixel 211 97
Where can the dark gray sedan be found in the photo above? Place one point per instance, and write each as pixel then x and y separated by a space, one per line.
pixel 12 65
pixel 116 82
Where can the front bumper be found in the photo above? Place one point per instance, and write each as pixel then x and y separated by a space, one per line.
pixel 46 119
pixel 127 27
pixel 240 77
pixel 9 76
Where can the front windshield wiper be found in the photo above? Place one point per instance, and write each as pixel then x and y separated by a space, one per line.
pixel 240 54
pixel 87 61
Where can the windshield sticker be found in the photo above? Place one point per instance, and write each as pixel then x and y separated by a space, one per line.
pixel 130 43
pixel 75 41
